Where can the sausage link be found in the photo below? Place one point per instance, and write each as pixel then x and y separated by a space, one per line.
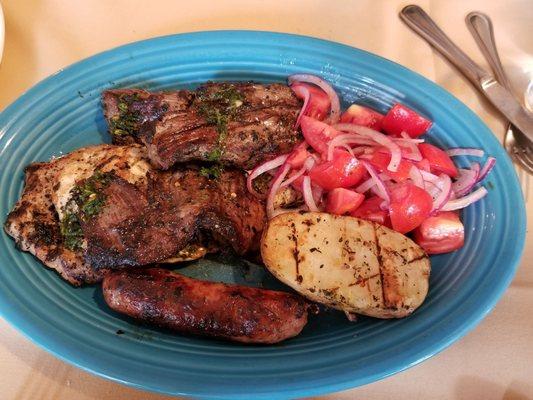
pixel 239 313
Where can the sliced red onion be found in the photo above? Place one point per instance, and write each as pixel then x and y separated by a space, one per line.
pixel 274 187
pixel 344 139
pixel 335 110
pixel 261 169
pixel 381 190
pixel 307 96
pixel 445 186
pixel 466 180
pixel 465 151
pixel 365 186
pixel 491 161
pixel 466 200
pixel 378 137
pixel 405 138
pixel 416 177
pixel 308 164
pixel 308 194
pixel 428 176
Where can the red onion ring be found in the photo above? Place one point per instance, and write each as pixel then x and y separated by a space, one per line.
pixel 466 180
pixel 308 164
pixel 428 176
pixel 308 194
pixel 307 96
pixel 344 139
pixel 489 164
pixel 381 190
pixel 335 110
pixel 445 186
pixel 261 169
pixel 416 177
pixel 465 151
pixel 282 172
pixel 466 200
pixel 378 137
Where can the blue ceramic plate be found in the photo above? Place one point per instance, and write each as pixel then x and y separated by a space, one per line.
pixel 63 113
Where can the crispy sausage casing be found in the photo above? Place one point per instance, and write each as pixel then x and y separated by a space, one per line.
pixel 170 300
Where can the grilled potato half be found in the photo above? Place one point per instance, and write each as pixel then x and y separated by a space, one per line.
pixel 347 263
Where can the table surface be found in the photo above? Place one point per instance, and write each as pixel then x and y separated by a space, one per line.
pixel 495 361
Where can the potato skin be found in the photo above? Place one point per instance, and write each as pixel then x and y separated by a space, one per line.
pixel 347 263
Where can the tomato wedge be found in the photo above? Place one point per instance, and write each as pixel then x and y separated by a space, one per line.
pixel 380 160
pixel 317 134
pixel 319 102
pixel 441 233
pixel 439 161
pixel 409 207
pixel 298 156
pixel 341 201
pixel 371 211
pixel 341 172
pixel 359 115
pixel 402 119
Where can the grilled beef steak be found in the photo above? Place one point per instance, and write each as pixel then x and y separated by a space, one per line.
pixel 241 124
pixel 186 305
pixel 137 227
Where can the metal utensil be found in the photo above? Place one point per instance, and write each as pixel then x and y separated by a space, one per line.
pixel 500 97
pixel 514 140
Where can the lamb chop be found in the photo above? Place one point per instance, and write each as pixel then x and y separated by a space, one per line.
pixel 241 124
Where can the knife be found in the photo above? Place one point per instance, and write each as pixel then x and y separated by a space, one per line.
pixel 417 19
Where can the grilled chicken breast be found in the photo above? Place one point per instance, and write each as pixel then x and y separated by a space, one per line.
pixel 347 263
pixel 241 124
pixel 34 222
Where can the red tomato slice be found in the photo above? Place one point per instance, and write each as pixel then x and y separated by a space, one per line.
pixel 439 161
pixel 380 160
pixel 343 171
pixel 319 102
pixel 409 207
pixel 298 156
pixel 359 115
pixel 402 119
pixel 441 233
pixel 340 201
pixel 423 165
pixel 317 134
pixel 371 211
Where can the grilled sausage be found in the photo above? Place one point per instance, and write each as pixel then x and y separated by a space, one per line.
pixel 170 300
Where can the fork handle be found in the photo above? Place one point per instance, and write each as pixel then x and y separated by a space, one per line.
pixel 480 26
pixel 417 19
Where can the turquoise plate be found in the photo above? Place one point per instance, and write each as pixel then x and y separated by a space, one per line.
pixel 63 113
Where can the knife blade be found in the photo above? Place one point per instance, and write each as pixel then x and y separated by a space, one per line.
pixel 505 102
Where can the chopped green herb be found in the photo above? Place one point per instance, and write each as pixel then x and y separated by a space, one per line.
pixel 86 201
pixel 127 120
pixel 219 108
pixel 71 232
pixel 212 172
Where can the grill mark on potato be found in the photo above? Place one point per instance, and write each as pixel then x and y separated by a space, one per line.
pixel 360 281
pixel 380 264
pixel 296 253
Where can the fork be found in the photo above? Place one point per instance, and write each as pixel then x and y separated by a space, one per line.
pixel 514 141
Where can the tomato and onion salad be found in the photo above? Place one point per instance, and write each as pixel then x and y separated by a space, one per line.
pixel 374 166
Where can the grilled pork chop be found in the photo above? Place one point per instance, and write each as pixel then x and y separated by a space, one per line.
pixel 34 222
pixel 241 124
pixel 140 227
